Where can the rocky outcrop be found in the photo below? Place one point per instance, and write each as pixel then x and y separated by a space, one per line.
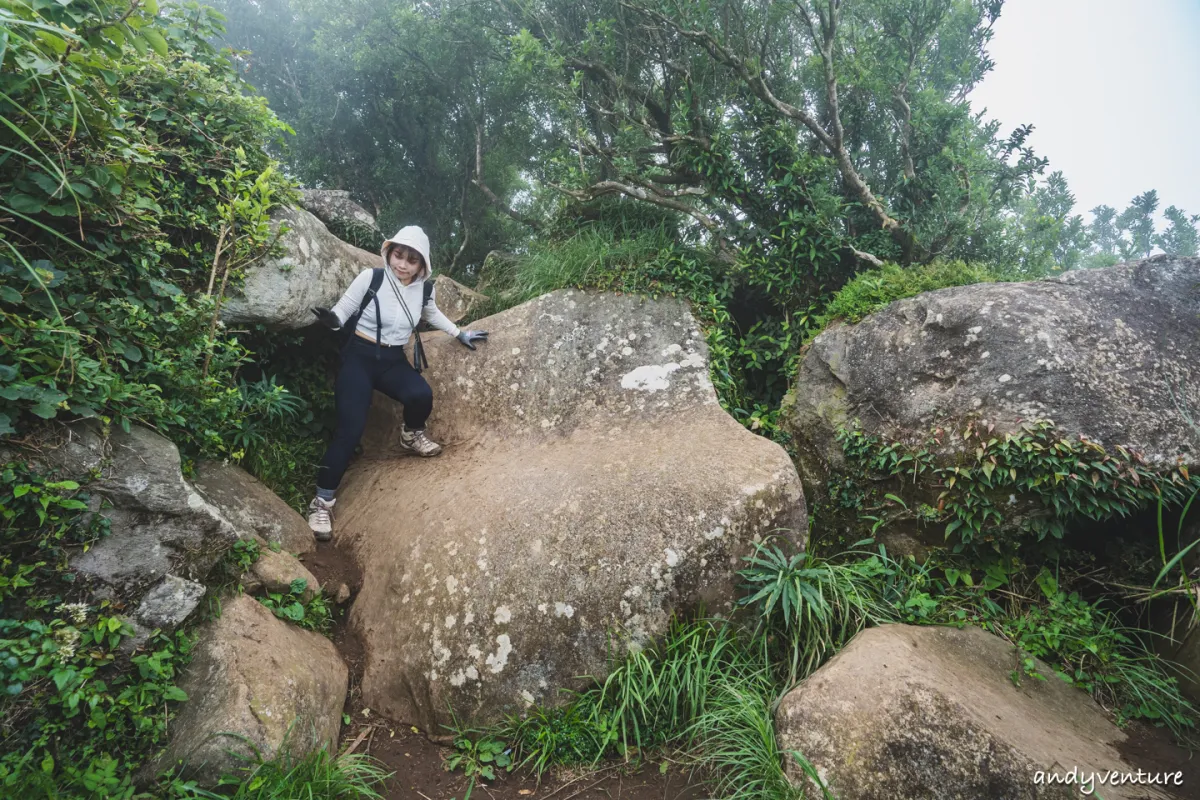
pixel 334 207
pixel 251 507
pixel 254 683
pixel 159 524
pixel 591 483
pixel 931 713
pixel 314 270
pixel 1111 356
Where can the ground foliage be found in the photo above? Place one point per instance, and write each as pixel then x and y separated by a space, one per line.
pixel 78 713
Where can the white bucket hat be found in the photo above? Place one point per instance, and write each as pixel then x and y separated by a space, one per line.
pixel 413 237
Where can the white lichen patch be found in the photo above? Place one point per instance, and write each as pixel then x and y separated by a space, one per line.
pixel 474 652
pixel 451 584
pixel 451 620
pixel 649 378
pixel 672 557
pixel 527 696
pixel 498 660
pixel 564 610
pixel 503 615
pixel 672 349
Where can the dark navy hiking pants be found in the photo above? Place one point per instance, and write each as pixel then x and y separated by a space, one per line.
pixel 360 373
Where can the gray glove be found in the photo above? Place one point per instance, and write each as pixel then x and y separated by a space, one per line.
pixel 326 317
pixel 467 337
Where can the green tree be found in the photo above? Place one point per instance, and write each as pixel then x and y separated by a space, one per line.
pixel 1180 237
pixel 662 102
pixel 1136 224
pixel 1047 235
pixel 404 105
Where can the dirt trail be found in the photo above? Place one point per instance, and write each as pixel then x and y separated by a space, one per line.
pixel 417 763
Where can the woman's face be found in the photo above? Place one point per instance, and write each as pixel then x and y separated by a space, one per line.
pixel 405 262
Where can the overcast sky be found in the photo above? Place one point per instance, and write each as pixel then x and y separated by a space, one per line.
pixel 1112 88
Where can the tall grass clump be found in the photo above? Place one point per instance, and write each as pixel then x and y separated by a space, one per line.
pixel 875 289
pixel 318 775
pixel 580 260
pixel 815 604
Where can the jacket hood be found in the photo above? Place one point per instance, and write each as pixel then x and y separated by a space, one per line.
pixel 410 236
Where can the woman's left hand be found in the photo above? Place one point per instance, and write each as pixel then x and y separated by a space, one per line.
pixel 468 337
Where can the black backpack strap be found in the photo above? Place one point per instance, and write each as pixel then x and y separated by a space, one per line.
pixel 371 294
pixel 419 360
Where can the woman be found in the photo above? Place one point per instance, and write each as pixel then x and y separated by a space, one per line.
pixel 374 359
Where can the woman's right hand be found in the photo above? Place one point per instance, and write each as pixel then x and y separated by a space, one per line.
pixel 327 318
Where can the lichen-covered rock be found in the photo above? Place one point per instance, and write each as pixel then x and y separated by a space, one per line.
pixel 591 482
pixel 251 507
pixel 315 269
pixel 159 524
pixel 929 713
pixel 275 572
pixel 253 676
pixel 1112 355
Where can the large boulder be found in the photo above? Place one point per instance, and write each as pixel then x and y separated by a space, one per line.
pixel 932 713
pixel 159 524
pixel 251 507
pixel 314 269
pixel 1111 356
pixel 591 484
pixel 454 300
pixel 254 683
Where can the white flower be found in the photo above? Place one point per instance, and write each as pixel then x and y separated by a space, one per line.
pixel 77 612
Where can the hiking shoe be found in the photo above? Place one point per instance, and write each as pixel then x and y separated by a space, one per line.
pixel 320 518
pixel 417 442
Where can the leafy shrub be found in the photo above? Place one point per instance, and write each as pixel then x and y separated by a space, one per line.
pixel 313 614
pixel 1072 480
pixel 77 714
pixel 135 189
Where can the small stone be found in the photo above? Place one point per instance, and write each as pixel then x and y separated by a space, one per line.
pixel 342 595
pixel 169 603
pixel 277 571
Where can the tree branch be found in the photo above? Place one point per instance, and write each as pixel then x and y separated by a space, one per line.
pixel 824 33
pixel 477 181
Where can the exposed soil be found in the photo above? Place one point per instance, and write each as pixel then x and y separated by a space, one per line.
pixel 1154 750
pixel 417 763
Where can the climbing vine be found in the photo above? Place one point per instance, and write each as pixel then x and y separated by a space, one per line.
pixel 985 494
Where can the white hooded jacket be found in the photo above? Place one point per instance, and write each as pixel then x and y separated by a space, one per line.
pixel 396 328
